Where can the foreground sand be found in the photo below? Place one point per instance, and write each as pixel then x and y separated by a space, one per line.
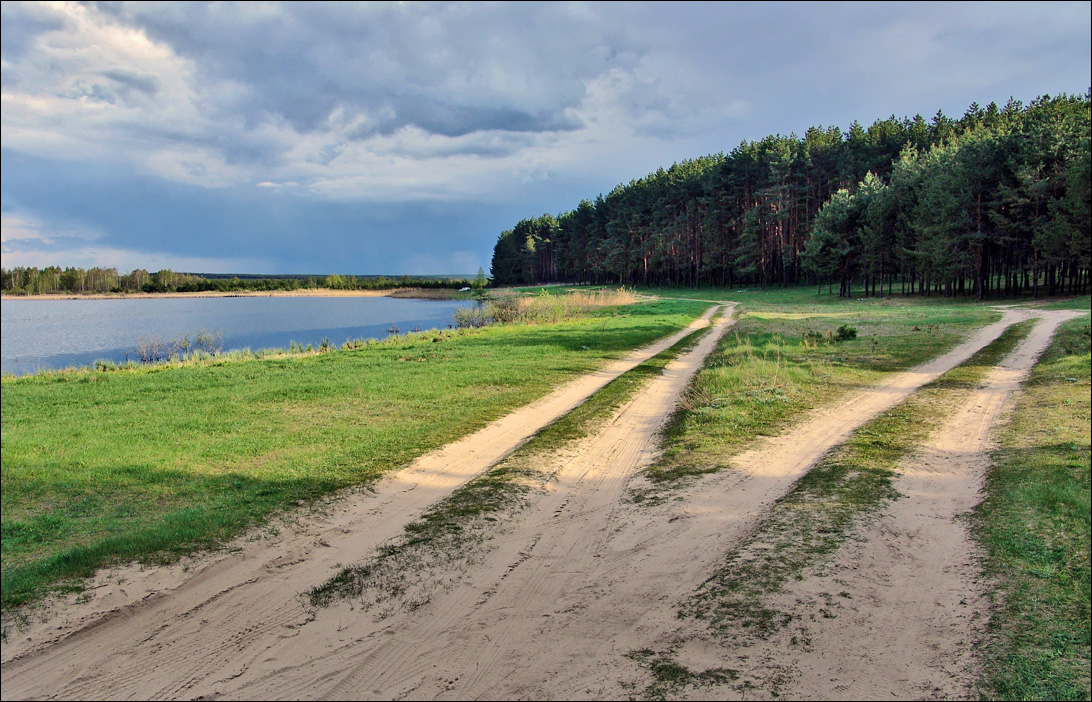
pixel 549 606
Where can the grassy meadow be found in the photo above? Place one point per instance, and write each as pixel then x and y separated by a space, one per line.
pixel 158 461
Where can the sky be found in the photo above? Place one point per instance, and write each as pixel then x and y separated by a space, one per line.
pixel 402 138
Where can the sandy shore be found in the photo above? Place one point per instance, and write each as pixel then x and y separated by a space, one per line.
pixel 315 292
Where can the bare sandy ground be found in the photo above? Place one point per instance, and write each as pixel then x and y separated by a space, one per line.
pixel 551 605
pixel 209 618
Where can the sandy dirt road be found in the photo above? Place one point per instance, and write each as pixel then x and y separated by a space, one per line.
pixel 554 602
pixel 903 601
pixel 206 620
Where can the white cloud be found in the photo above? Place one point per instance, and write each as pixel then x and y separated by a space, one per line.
pixel 126 260
pixel 447 103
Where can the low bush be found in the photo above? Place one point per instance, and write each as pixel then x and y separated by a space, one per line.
pixel 472 318
pixel 845 333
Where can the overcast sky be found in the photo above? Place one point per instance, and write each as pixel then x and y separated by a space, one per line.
pixel 404 137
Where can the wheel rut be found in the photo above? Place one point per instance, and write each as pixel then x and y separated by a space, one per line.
pixel 196 623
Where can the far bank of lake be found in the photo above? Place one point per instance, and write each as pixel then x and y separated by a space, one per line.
pixel 38 334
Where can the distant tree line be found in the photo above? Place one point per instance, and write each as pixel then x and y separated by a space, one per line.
pixel 53 279
pixel 994 202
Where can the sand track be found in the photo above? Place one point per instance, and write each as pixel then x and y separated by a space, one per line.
pixel 911 602
pixel 202 622
pixel 577 580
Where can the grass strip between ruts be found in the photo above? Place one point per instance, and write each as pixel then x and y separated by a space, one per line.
pixel 775 364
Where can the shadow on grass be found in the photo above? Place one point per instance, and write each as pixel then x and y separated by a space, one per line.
pixel 239 502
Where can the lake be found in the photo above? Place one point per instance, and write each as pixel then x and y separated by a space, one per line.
pixel 44 334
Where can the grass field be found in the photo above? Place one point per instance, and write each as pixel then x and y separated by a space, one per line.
pixel 155 462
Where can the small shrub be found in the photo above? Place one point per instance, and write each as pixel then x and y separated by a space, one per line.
pixel 153 349
pixel 504 310
pixel 210 343
pixel 845 333
pixel 472 318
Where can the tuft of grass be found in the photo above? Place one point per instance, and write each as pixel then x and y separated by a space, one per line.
pixel 550 305
pixel 1034 525
pixel 669 676
pixel 152 462
pixel 452 529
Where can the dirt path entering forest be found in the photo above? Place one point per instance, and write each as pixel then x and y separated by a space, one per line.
pixel 546 609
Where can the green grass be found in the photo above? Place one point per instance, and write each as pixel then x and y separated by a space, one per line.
pixel 779 360
pixel 1080 303
pixel 451 529
pixel 100 467
pixel 807 295
pixel 1034 525
pixel 669 676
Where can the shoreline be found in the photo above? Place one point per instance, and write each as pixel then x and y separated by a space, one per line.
pixel 311 292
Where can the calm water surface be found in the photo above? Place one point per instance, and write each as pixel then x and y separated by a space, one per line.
pixel 41 334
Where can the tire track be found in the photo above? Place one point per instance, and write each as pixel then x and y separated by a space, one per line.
pixel 913 603
pixel 521 574
pixel 235 607
pixel 603 578
pixel 596 587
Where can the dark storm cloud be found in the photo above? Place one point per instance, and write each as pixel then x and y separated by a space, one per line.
pixel 21 26
pixel 447 69
pixel 144 83
pixel 133 213
pixel 235 148
pixel 56 244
